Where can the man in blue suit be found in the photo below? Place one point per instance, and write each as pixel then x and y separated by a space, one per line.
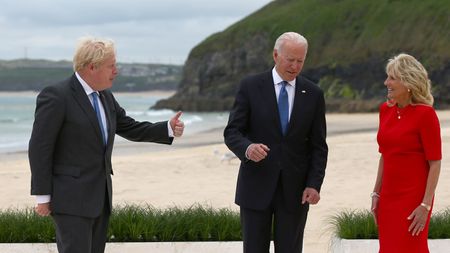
pixel 71 145
pixel 277 129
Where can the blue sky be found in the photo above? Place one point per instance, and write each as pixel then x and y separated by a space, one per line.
pixel 161 31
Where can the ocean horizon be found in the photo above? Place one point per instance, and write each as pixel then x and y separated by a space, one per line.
pixel 17 116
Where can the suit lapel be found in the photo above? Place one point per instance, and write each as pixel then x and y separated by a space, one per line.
pixel 267 89
pixel 300 103
pixel 82 99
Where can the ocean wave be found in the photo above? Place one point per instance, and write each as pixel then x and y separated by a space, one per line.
pixel 155 113
pixel 9 120
pixel 13 146
pixel 222 116
pixel 135 113
pixel 151 113
pixel 193 119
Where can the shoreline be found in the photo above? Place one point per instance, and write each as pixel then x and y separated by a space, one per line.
pixel 156 93
pixel 337 124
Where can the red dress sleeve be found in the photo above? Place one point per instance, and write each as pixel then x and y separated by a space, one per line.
pixel 430 135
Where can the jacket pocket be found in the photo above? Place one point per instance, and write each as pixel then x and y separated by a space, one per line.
pixel 66 170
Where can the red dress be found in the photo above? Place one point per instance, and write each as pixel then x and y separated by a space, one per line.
pixel 407 138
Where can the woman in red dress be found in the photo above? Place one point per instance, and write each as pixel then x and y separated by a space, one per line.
pixel 410 145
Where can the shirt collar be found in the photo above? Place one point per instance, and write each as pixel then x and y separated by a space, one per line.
pixel 85 86
pixel 277 78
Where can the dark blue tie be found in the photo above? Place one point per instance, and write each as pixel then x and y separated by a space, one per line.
pixel 283 107
pixel 99 117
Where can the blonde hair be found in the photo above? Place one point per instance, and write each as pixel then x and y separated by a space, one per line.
pixel 290 36
pixel 92 51
pixel 413 75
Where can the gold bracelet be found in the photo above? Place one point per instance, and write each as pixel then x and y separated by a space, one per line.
pixel 374 194
pixel 428 207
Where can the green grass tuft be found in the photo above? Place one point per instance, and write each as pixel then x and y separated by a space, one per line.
pixel 24 226
pixel 132 223
pixel 196 223
pixel 354 225
pixel 357 224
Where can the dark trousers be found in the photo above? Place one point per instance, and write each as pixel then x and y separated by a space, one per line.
pixel 288 226
pixel 75 234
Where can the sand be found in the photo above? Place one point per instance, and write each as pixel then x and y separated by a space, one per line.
pixel 195 169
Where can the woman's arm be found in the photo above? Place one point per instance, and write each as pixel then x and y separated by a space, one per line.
pixel 420 215
pixel 376 189
pixel 432 180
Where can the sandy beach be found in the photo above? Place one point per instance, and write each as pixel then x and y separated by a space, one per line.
pixel 193 170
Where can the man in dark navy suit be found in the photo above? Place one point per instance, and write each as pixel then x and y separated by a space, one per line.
pixel 71 145
pixel 277 129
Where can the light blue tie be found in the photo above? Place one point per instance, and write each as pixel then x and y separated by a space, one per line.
pixel 283 107
pixel 99 117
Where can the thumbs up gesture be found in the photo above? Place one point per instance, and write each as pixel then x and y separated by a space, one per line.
pixel 177 125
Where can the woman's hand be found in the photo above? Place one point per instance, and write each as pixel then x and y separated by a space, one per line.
pixel 374 208
pixel 419 218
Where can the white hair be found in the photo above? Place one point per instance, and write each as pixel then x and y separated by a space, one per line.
pixel 290 36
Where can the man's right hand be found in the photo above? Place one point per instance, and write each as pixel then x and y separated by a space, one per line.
pixel 257 151
pixel 43 209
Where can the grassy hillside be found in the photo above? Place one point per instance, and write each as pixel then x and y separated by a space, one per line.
pixel 350 42
pixel 348 31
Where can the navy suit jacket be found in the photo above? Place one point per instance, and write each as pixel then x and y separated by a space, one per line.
pixel 299 157
pixel 67 156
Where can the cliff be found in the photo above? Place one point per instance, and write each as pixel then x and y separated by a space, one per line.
pixel 349 44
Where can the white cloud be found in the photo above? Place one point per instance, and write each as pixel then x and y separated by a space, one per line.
pixel 144 31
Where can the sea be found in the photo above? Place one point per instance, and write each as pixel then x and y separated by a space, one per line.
pixel 17 116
